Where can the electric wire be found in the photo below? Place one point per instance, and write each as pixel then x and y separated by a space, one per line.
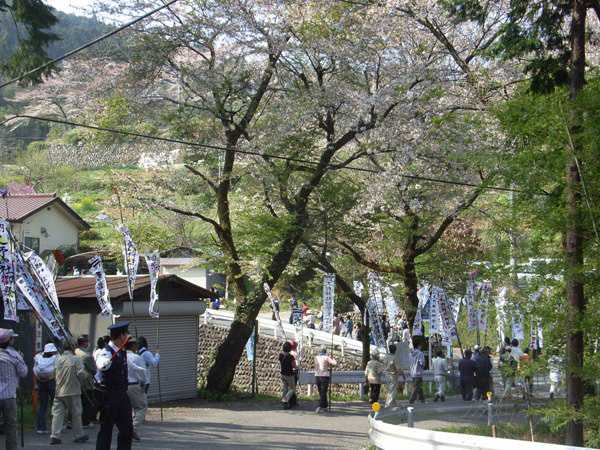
pixel 84 46
pixel 266 155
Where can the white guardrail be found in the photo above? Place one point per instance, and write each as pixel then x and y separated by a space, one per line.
pixel 386 436
pixel 267 327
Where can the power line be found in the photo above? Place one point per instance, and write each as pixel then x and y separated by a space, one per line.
pixel 85 46
pixel 265 155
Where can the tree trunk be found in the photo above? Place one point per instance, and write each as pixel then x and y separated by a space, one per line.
pixel 573 242
pixel 366 340
pixel 411 285
pixel 226 358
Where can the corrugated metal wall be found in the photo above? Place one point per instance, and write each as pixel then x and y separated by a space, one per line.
pixel 178 354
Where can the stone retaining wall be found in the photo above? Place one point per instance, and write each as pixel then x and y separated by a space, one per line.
pixel 267 363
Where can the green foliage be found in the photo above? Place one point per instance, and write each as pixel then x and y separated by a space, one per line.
pixel 34 18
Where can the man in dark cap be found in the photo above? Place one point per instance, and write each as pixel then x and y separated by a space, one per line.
pixel 115 407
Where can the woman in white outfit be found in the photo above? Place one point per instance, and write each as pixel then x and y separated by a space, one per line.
pixel 440 370
pixel 555 375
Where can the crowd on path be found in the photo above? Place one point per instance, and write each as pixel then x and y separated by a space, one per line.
pixel 107 387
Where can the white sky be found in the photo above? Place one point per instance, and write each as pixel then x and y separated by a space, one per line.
pixel 71 6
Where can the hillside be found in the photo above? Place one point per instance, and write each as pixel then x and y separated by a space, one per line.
pixel 74 32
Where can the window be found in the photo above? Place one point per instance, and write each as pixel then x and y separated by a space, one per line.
pixel 32 243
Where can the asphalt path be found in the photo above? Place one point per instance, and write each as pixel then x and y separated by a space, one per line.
pixel 199 424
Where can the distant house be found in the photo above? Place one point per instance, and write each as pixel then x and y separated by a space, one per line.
pixel 188 264
pixel 43 222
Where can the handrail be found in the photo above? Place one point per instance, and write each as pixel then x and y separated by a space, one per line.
pixel 387 436
pixel 270 328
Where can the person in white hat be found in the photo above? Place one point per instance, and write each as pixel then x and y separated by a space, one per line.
pixel 12 367
pixel 43 369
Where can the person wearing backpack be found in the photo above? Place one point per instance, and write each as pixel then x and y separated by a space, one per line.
pixel 43 369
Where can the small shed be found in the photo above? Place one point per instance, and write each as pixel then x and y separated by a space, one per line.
pixel 180 305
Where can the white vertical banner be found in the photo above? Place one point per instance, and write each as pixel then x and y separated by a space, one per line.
pixel 485 290
pixel 37 302
pixel 435 322
pixel 376 325
pixel 447 319
pixel 102 294
pixel 44 276
pixel 7 273
pixel 518 331
pixel 456 307
pixel 540 334
pixel 153 263
pixel 358 288
pixel 501 312
pixel 470 301
pixel 375 290
pixel 390 305
pixel 328 301
pixel 423 296
pixel 131 258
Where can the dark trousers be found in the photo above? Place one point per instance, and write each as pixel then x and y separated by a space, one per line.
pixel 45 396
pixel 374 391
pixel 323 387
pixel 466 389
pixel 116 410
pixel 483 387
pixel 417 390
pixel 89 408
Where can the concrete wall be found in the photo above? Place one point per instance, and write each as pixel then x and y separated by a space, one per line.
pixel 62 232
pixel 267 363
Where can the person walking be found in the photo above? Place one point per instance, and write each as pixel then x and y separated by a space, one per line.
pixel 90 411
pixel 440 370
pixel 288 376
pixel 323 365
pixel 483 370
pixel 467 371
pixel 394 372
pixel 555 366
pixel 69 372
pixel 137 380
pixel 150 359
pixel 115 407
pixel 43 369
pixel 373 374
pixel 12 368
pixel 417 365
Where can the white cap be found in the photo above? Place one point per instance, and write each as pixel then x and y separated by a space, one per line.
pixel 476 347
pixel 50 348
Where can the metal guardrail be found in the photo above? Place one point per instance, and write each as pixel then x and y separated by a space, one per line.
pixel 270 328
pixel 387 436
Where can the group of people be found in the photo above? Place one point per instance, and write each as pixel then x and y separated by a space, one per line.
pixel 323 365
pixel 107 386
pixel 388 370
pixel 475 374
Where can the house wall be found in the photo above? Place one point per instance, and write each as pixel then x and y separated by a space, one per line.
pixel 62 232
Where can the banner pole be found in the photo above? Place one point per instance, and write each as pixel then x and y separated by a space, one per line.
pixel 158 345
pixel 254 385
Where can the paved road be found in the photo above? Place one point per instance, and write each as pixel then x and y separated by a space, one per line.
pixel 240 425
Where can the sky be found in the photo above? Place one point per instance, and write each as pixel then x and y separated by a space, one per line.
pixel 71 6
